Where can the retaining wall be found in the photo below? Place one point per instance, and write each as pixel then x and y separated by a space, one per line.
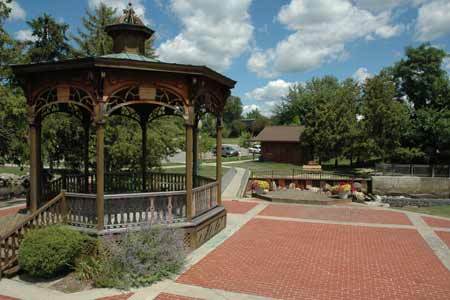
pixel 410 185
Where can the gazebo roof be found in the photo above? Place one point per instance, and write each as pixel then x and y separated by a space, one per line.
pixel 123 61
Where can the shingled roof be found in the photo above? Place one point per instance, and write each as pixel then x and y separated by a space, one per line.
pixel 287 134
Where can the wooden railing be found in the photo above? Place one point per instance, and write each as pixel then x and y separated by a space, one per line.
pixel 204 198
pixel 54 212
pixel 127 210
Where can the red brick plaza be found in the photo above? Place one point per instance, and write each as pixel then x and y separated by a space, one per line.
pixel 276 256
pixel 311 252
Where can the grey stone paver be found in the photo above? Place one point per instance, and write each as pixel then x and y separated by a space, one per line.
pixel 436 244
pixel 232 190
pixel 336 222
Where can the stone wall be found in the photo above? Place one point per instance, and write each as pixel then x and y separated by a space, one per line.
pixel 408 185
pixel 400 202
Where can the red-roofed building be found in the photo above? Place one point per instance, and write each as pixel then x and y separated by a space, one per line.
pixel 282 144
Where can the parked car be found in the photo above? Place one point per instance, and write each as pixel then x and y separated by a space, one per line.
pixel 256 149
pixel 228 151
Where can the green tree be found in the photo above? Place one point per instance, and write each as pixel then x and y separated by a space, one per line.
pixel 320 133
pixel 386 120
pixel 52 43
pixel 233 109
pixel 260 121
pixel 13 121
pixel 93 40
pixel 421 78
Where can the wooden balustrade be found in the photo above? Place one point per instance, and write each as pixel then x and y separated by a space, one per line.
pixel 204 198
pixel 146 208
pixel 54 212
pixel 82 210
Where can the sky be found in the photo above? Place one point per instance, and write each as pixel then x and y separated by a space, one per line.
pixel 269 45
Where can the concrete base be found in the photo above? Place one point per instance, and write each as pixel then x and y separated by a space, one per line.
pixel 410 186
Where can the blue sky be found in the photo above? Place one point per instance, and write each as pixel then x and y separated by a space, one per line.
pixel 268 45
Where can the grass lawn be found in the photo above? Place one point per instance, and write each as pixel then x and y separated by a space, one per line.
pixel 206 171
pixel 232 158
pixel 14 170
pixel 442 210
pixel 232 141
pixel 266 166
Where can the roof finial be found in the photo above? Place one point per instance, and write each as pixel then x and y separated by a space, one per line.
pixel 129 16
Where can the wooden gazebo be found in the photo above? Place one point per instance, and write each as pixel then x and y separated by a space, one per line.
pixel 129 84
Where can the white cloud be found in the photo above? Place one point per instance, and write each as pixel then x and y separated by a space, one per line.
pixel 272 92
pixel 433 20
pixel 17 12
pixel 362 74
pixel 447 63
pixel 249 108
pixel 321 30
pixel 120 5
pixel 213 32
pixel 25 35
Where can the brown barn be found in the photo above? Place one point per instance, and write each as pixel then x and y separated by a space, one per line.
pixel 282 144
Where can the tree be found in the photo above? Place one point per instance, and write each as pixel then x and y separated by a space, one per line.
pixel 51 40
pixel 13 122
pixel 233 109
pixel 320 121
pixel 386 120
pixel 260 121
pixel 421 78
pixel 94 41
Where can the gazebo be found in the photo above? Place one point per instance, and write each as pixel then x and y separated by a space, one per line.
pixel 128 84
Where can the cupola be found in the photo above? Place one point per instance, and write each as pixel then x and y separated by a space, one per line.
pixel 129 33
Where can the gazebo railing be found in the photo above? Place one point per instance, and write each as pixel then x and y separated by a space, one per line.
pixel 204 198
pixel 125 203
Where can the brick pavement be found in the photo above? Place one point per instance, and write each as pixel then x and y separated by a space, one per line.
pixel 296 260
pixel 124 296
pixel 166 296
pixel 340 214
pixel 238 207
pixel 435 222
pixel 445 237
pixel 10 211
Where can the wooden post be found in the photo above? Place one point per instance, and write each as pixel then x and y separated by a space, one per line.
pixel 219 126
pixel 86 126
pixel 34 168
pixel 40 167
pixel 189 163
pixel 144 155
pixel 100 162
pixel 195 155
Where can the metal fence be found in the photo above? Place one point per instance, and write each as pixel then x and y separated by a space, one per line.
pixel 414 170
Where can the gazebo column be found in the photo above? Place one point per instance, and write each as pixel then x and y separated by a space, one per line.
pixel 34 166
pixel 219 127
pixel 189 124
pixel 195 154
pixel 40 167
pixel 86 127
pixel 100 162
pixel 143 123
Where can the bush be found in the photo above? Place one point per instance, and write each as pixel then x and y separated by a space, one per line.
pixel 136 259
pixel 50 251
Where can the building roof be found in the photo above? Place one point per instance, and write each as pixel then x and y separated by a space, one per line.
pixel 129 56
pixel 287 134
